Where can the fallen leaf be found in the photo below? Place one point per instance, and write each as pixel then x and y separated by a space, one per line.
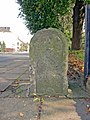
pixel 88 110
pixel 21 114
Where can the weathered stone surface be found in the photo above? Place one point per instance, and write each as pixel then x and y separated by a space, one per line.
pixel 48 58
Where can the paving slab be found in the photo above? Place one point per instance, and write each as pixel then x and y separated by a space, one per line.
pixel 17 109
pixel 52 109
pixel 16 70
pixel 5 83
pixel 65 109
pixel 2 70
pixel 10 76
pixel 7 78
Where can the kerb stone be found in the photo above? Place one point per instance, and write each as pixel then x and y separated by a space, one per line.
pixel 48 60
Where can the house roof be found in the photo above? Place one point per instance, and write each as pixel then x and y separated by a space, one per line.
pixel 5 29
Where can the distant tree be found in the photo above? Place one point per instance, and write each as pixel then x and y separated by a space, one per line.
pixel 41 14
pixel 0 46
pixel 3 47
pixel 23 46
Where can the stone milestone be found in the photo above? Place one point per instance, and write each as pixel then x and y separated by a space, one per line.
pixel 48 60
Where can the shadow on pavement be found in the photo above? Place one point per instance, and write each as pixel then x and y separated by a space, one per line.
pixel 81 97
pixel 82 110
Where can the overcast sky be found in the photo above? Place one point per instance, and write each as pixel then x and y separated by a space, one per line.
pixel 9 18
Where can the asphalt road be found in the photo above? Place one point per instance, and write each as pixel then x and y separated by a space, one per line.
pixel 10 57
pixel 13 66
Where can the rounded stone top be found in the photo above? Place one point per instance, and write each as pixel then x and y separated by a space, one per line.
pixel 51 33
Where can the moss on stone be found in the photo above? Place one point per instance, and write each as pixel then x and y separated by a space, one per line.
pixel 48 51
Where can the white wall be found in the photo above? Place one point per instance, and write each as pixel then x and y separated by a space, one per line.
pixel 10 39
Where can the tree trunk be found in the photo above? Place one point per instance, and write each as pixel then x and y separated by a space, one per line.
pixel 78 19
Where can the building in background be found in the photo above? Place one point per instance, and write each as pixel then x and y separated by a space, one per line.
pixel 4 29
pixel 12 42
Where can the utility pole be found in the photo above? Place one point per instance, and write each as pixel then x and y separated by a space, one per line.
pixel 87 42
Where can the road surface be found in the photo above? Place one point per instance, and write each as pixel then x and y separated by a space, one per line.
pixel 13 67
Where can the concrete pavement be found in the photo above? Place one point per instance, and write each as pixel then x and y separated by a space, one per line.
pixel 52 109
pixel 14 105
